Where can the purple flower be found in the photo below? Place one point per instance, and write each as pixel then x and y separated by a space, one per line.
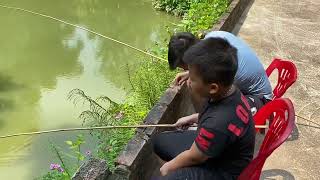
pixel 88 153
pixel 60 169
pixel 54 166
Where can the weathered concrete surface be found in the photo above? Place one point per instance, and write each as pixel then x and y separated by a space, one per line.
pixel 230 19
pixel 93 169
pixel 291 30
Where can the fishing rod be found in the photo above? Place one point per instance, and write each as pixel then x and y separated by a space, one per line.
pixel 119 127
pixel 103 127
pixel 83 28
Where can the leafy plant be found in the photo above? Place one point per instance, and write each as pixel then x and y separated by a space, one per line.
pixel 56 175
pixel 176 7
pixel 62 171
pixel 76 148
pixel 197 15
pixel 202 15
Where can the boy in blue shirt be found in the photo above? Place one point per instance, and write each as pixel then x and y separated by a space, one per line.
pixel 250 78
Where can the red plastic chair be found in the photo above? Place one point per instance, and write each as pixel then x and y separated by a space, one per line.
pixel 278 132
pixel 287 75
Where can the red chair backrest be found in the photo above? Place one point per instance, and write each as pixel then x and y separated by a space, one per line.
pixel 287 75
pixel 280 129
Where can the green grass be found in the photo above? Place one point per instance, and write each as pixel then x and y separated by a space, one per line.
pixel 202 15
pixel 175 7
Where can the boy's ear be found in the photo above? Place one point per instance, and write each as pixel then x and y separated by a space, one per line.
pixel 213 88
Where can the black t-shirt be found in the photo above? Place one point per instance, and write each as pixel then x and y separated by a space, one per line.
pixel 226 133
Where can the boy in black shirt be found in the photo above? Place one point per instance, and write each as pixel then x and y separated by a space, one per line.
pixel 223 144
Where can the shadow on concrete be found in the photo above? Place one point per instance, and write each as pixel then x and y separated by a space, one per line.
pixel 274 174
pixel 259 139
pixel 294 134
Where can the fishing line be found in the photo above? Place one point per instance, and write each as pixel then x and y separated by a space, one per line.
pixel 83 28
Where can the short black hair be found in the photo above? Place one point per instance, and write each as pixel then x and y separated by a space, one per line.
pixel 178 45
pixel 215 59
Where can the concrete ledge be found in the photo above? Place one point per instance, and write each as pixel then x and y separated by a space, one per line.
pixel 228 21
pixel 93 169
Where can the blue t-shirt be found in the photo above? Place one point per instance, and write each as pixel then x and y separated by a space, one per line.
pixel 251 77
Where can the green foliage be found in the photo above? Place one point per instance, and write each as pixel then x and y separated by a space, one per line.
pixel 197 15
pixel 202 15
pixel 189 7
pixel 65 172
pixel 75 147
pixel 150 81
pixel 54 175
pixel 60 156
pixel 176 7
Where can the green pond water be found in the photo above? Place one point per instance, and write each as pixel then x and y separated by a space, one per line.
pixel 41 61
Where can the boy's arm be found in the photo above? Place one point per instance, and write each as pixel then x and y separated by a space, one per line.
pixel 195 117
pixel 187 120
pixel 189 157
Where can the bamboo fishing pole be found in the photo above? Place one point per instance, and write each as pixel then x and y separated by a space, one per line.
pixel 102 127
pixel 83 28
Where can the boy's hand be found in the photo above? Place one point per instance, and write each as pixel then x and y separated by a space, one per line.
pixel 185 122
pixel 180 78
pixel 165 169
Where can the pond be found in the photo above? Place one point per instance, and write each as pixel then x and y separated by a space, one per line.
pixel 41 61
